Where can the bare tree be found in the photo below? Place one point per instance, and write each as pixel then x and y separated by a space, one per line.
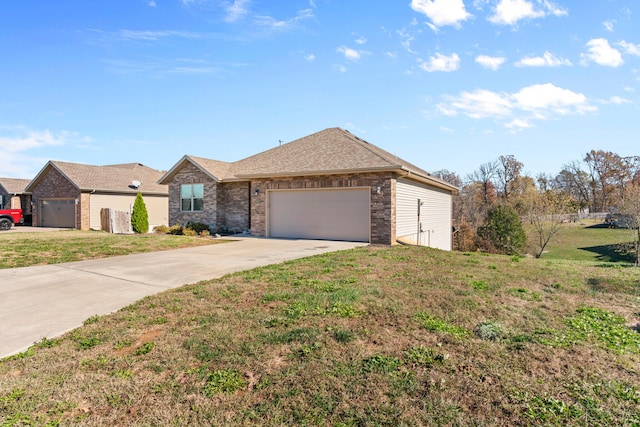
pixel 546 215
pixel 484 176
pixel 508 172
pixel 632 209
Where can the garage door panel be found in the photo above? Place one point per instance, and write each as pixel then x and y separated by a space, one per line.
pixel 330 214
pixel 58 213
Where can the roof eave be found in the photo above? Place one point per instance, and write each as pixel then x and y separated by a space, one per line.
pixel 313 173
pixel 171 173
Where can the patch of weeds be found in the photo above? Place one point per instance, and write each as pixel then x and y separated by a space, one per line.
pixel 275 321
pixel 549 410
pixel 144 348
pixel 87 342
pixel 160 321
pixel 203 349
pixel 524 294
pixel 489 331
pixel 604 327
pixel 92 319
pixel 119 345
pixel 434 324
pixel 480 285
pixel 125 374
pixel 343 335
pixel 223 381
pixel 380 364
pixel 516 258
pixel 424 356
pixel 46 343
pixel 301 335
pixel 13 395
pixel 519 342
pixel 342 309
pixel 306 350
pixel 493 267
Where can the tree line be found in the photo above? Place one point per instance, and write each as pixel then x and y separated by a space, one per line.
pixel 601 182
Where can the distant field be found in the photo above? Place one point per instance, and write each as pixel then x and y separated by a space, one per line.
pixel 589 241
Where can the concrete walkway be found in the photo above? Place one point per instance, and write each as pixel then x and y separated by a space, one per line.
pixel 47 301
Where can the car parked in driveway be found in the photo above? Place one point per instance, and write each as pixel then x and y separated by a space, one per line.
pixel 9 217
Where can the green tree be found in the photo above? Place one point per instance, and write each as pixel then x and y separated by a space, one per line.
pixel 140 216
pixel 502 231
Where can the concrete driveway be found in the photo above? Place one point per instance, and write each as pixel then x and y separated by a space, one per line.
pixel 47 301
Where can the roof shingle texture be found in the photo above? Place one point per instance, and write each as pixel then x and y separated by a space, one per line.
pixel 330 150
pixel 112 178
pixel 14 185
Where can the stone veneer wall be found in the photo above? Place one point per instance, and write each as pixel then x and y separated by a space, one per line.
pixel 192 175
pixel 234 214
pixel 383 209
pixel 56 186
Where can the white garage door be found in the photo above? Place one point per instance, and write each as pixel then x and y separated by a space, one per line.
pixel 326 214
pixel 58 213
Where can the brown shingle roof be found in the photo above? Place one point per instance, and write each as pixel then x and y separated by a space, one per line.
pixel 14 185
pixel 112 179
pixel 329 151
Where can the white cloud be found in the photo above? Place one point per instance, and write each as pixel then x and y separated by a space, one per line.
pixel 441 62
pixel 23 139
pixel 490 62
pixel 617 100
pixel 146 35
pixel 546 60
pixel 509 12
pixel 536 102
pixel 236 10
pixel 361 40
pixel 19 147
pixel 310 57
pixel 442 12
pixel 350 54
pixel 283 25
pixel 152 3
pixel 630 48
pixel 609 25
pixel 601 52
pixel 478 104
pixel 518 124
pixel 406 40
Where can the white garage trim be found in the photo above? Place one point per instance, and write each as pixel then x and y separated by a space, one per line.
pixel 434 226
pixel 325 214
pixel 57 213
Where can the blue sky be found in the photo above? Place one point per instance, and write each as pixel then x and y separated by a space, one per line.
pixel 445 84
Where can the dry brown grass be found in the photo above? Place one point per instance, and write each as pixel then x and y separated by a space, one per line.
pixel 28 249
pixel 341 339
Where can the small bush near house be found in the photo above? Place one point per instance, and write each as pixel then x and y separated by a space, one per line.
pixel 199 227
pixel 140 216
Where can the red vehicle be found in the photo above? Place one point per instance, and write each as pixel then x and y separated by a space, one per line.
pixel 9 217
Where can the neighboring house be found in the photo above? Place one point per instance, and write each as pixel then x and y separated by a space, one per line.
pixel 71 194
pixel 329 185
pixel 14 196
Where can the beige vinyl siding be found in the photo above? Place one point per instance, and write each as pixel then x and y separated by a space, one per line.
pixel 435 214
pixel 157 207
pixel 325 214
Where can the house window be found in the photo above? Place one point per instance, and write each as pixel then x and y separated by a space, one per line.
pixel 191 197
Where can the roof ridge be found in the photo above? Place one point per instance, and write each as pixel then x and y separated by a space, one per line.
pixel 369 146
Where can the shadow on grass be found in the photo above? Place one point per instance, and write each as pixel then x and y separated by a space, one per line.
pixel 611 253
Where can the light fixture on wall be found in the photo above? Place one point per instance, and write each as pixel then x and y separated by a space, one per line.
pixel 256 192
pixel 378 189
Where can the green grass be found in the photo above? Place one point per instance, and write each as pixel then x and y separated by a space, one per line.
pixel 589 241
pixel 28 249
pixel 372 336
